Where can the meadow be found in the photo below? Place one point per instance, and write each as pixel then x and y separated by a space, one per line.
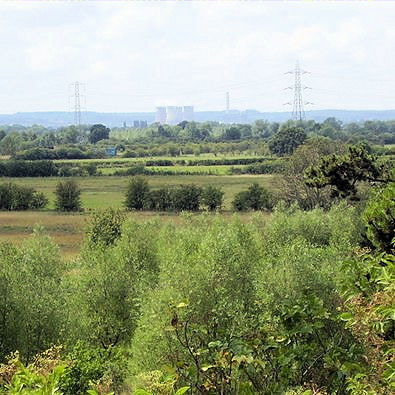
pixel 108 191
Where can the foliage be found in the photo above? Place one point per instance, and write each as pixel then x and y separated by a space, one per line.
pixel 187 197
pixel 255 198
pixel 344 172
pixel 212 197
pixel 68 196
pixel 379 217
pixel 32 297
pixel 41 377
pixel 88 367
pixel 136 194
pixel 98 132
pixel 104 227
pixel 286 140
pixel 293 185
pixel 22 168
pixel 257 315
pixel 17 197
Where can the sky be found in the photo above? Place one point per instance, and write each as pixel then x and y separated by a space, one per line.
pixel 133 56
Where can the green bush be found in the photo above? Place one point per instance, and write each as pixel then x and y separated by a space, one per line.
pixel 187 197
pixel 68 196
pixel 137 194
pixel 212 197
pixel 104 227
pixel 255 198
pixel 17 197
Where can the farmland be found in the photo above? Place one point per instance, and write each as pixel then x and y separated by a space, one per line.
pixel 103 192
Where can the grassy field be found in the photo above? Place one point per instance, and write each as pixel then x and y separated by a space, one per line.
pixel 101 192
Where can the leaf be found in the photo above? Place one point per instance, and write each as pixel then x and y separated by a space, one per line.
pixel 140 391
pixel 346 316
pixel 182 390
pixel 207 367
pixel 181 305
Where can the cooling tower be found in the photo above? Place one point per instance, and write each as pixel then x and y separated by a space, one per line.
pixel 160 115
pixel 174 115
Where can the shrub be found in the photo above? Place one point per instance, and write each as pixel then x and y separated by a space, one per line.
pixel 68 196
pixel 212 197
pixel 137 194
pixel 17 197
pixel 104 226
pixel 89 366
pixel 187 197
pixel 255 198
pixel 160 199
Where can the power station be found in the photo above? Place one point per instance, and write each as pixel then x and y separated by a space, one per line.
pixel 172 115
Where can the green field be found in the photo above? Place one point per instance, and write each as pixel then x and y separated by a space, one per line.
pixel 108 191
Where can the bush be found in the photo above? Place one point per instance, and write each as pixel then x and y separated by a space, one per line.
pixel 255 198
pixel 89 366
pixel 212 197
pixel 22 168
pixel 104 226
pixel 137 194
pixel 17 197
pixel 68 196
pixel 160 199
pixel 187 197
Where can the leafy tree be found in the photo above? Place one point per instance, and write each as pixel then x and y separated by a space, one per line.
pixel 2 134
pixel 98 132
pixel 212 197
pixel 68 196
pixel 187 198
pixel 137 194
pixel 293 185
pixel 286 140
pixel 379 217
pixel 104 227
pixel 255 198
pixel 344 172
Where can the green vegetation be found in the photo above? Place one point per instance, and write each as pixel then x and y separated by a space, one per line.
pixel 68 196
pixel 294 297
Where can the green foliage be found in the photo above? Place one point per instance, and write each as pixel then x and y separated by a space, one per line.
pixel 104 227
pixel 255 198
pixel 137 194
pixel 379 217
pixel 88 367
pixel 293 185
pixel 32 297
pixel 286 140
pixel 212 197
pixel 98 132
pixel 344 172
pixel 41 377
pixel 187 197
pixel 68 196
pixel 17 197
pixel 115 279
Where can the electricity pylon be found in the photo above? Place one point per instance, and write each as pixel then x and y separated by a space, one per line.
pixel 298 113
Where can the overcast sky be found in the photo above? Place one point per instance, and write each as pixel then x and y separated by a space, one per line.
pixel 133 56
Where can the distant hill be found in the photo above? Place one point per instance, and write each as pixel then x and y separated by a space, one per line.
pixel 58 118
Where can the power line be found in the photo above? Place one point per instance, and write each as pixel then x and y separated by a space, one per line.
pixel 298 113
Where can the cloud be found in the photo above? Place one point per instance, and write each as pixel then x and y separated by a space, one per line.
pixel 134 55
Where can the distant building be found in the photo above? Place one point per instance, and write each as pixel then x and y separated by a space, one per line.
pixel 172 115
pixel 136 124
pixel 160 115
pixel 111 151
pixel 143 124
